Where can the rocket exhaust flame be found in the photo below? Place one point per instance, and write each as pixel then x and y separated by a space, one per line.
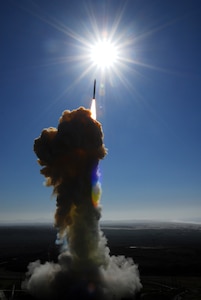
pixel 93 103
pixel 69 156
pixel 93 109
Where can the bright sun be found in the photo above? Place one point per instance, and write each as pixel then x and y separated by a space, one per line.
pixel 104 54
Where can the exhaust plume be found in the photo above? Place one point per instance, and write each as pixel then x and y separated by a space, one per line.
pixel 69 156
pixel 93 109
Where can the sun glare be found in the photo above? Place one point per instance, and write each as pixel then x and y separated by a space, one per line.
pixel 104 54
pixel 100 51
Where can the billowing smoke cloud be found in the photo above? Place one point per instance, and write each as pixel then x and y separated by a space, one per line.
pixel 69 157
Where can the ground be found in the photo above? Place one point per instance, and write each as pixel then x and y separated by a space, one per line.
pixel 168 257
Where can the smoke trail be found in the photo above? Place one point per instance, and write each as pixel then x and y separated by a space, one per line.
pixel 69 157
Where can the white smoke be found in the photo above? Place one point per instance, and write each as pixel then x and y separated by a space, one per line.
pixel 115 278
pixel 70 157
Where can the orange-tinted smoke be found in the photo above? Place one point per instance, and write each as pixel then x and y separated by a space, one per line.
pixel 69 156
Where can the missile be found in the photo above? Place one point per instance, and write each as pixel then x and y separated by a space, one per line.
pixel 94 92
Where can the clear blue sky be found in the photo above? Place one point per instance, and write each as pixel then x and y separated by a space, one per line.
pixel 149 105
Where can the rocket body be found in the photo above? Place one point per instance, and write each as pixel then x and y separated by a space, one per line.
pixel 94 92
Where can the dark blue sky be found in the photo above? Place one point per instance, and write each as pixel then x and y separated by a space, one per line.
pixel 149 104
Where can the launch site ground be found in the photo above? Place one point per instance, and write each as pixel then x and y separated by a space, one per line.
pixel 168 256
